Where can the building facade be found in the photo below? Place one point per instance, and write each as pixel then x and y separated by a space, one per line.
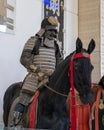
pixel 90 25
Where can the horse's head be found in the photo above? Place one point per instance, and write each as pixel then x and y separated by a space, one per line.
pixel 79 65
pixel 80 70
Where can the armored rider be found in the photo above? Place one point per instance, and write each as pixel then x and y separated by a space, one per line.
pixel 40 56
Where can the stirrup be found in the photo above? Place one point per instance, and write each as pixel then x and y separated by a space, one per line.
pixel 16 118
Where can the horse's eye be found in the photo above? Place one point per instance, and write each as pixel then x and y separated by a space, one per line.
pixel 76 65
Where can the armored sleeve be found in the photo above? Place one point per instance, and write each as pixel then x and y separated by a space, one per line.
pixel 26 58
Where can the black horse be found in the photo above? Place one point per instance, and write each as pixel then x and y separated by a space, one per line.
pixel 74 71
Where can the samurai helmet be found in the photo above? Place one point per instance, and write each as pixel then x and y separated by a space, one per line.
pixel 49 23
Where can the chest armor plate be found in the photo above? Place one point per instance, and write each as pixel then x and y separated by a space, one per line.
pixel 46 59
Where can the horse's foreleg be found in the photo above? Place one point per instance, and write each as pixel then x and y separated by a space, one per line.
pixel 61 117
pixel 62 123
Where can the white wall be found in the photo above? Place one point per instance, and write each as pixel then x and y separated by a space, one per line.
pixel 28 18
pixel 70 25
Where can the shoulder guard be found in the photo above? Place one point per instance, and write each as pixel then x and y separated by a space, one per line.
pixel 30 43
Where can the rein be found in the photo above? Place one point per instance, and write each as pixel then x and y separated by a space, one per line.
pixel 56 92
pixel 61 94
pixel 72 90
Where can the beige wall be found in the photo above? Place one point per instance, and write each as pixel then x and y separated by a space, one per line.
pixel 2 7
pixel 89 27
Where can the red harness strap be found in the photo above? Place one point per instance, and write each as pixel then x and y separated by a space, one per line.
pixel 72 110
pixel 32 114
pixel 73 102
pixel 82 112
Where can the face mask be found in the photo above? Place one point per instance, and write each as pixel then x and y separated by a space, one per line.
pixel 49 43
pixel 51 34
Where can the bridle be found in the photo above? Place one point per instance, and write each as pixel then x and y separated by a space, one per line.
pixel 72 89
pixel 71 68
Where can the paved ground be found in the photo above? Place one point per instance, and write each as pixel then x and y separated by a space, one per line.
pixel 1 125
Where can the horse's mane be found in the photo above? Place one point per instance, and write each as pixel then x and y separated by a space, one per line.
pixel 60 79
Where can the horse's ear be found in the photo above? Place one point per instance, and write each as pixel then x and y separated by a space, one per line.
pixel 91 46
pixel 78 45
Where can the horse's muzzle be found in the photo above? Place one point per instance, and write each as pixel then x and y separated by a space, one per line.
pixel 86 98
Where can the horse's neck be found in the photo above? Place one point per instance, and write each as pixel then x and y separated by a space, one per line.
pixel 59 81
